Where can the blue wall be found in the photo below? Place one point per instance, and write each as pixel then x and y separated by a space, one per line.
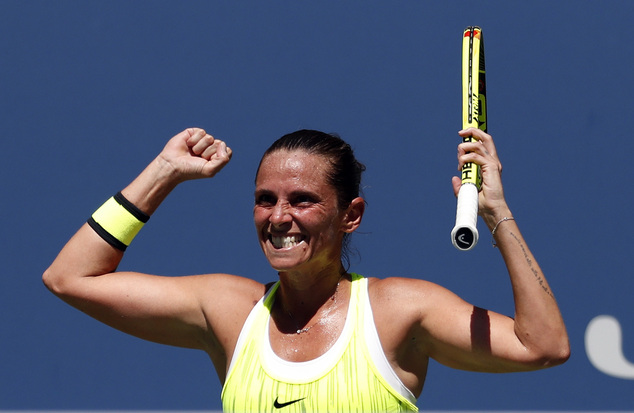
pixel 91 91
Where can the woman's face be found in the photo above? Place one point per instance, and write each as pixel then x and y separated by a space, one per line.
pixel 296 214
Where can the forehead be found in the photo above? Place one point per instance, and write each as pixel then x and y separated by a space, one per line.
pixel 293 166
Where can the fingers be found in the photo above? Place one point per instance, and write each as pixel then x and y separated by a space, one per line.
pixel 206 146
pixel 195 154
pixel 216 148
pixel 481 150
pixel 200 141
pixel 480 137
pixel 217 156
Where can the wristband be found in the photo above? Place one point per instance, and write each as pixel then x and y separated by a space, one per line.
pixel 118 221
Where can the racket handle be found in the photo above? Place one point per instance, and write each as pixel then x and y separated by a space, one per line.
pixel 464 235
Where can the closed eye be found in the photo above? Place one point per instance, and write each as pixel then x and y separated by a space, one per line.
pixel 303 200
pixel 265 200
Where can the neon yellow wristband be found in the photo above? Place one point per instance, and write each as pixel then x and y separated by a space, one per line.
pixel 118 221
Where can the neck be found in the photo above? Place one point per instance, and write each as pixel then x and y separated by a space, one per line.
pixel 305 302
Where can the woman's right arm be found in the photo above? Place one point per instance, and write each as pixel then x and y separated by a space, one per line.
pixel 194 311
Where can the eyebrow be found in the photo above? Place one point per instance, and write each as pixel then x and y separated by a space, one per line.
pixel 293 193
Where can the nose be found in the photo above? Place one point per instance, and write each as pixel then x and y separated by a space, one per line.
pixel 280 213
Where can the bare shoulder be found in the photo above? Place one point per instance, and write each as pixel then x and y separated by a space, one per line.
pixel 226 293
pixel 397 302
pixel 399 308
pixel 226 301
pixel 403 291
pixel 408 300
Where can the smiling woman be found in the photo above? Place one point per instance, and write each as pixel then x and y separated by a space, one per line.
pixel 297 212
pixel 339 167
pixel 321 338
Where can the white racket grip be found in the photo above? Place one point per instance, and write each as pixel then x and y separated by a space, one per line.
pixel 464 235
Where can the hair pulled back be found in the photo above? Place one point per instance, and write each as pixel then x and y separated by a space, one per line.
pixel 344 173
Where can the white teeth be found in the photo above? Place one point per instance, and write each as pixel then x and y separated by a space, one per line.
pixel 285 242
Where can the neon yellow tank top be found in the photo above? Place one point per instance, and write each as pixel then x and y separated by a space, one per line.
pixel 352 376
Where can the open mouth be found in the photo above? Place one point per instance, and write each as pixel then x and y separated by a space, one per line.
pixel 287 241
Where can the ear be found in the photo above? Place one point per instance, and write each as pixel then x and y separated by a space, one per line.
pixel 353 216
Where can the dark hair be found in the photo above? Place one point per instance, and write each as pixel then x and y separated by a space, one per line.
pixel 345 171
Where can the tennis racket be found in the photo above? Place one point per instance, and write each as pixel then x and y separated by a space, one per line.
pixel 464 235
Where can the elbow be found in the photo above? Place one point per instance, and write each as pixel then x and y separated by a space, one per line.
pixel 559 348
pixel 562 355
pixel 54 281
pixel 556 358
pixel 546 346
pixel 555 354
pixel 48 278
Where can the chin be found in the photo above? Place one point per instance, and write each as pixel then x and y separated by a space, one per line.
pixel 283 265
pixel 285 259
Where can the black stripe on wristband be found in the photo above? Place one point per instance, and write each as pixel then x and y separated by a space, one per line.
pixel 131 208
pixel 105 235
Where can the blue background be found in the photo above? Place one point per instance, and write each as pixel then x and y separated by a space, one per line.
pixel 91 91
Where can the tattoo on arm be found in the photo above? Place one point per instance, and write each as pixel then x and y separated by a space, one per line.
pixel 539 277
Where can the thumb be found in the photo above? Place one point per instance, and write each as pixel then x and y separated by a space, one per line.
pixel 456 182
pixel 217 160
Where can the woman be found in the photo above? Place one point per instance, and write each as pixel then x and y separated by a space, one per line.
pixel 320 339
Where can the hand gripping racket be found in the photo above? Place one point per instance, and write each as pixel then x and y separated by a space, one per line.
pixel 464 235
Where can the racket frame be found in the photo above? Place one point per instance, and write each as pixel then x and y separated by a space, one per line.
pixel 464 235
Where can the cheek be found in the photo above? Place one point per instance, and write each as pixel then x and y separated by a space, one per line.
pixel 260 216
pixel 326 226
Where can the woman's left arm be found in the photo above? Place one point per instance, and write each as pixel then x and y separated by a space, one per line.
pixel 538 326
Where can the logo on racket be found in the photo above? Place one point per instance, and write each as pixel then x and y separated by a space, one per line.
pixel 464 237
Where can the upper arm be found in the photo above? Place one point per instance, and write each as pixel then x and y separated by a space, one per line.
pixel 188 311
pixel 202 311
pixel 431 321
pixel 463 336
